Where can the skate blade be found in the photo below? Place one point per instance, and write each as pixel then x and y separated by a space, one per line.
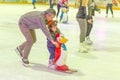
pixel 73 70
pixel 25 65
pixel 68 71
pixel 17 52
pixel 83 51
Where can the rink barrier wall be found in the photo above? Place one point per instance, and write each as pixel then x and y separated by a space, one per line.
pixel 46 3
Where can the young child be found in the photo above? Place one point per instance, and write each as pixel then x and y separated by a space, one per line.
pixel 52 26
pixel 58 55
pixel 64 14
pixel 60 4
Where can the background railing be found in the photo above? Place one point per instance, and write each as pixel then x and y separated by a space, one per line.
pixel 74 3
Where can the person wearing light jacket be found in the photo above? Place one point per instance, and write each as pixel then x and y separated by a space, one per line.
pixel 60 4
pixel 92 7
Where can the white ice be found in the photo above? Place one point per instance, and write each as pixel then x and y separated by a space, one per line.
pixel 102 64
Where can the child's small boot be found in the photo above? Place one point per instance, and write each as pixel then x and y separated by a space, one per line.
pixel 51 64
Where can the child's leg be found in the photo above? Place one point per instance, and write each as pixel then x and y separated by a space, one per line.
pixel 52 52
pixel 65 18
pixel 51 58
pixel 58 9
pixel 61 17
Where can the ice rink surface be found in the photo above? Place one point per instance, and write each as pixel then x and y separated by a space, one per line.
pixel 101 64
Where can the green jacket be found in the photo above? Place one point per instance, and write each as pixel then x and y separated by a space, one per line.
pixel 92 9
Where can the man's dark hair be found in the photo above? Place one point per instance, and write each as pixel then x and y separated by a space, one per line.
pixel 50 10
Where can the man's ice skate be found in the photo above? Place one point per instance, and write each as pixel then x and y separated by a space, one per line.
pixel 19 52
pixel 25 62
